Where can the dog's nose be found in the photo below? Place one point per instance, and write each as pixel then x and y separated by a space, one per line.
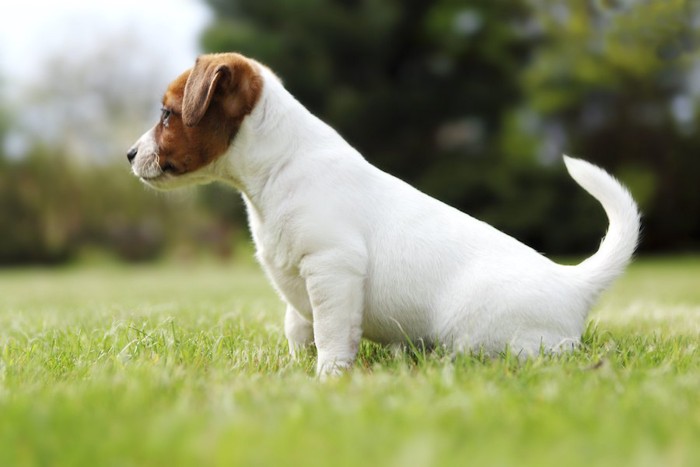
pixel 131 154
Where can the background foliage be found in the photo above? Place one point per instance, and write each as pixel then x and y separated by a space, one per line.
pixel 473 102
pixel 468 100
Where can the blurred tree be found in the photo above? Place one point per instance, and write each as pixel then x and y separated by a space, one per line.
pixel 617 82
pixel 408 82
pixel 472 100
pixel 52 210
pixel 35 221
pixel 66 188
pixel 79 103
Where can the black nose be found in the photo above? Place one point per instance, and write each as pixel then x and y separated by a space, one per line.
pixel 131 154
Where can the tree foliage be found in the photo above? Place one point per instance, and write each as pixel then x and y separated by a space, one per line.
pixel 474 101
pixel 471 101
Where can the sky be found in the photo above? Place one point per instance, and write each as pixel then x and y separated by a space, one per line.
pixel 47 48
pixel 32 30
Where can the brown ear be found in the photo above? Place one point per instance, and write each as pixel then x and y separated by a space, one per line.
pixel 230 77
pixel 200 89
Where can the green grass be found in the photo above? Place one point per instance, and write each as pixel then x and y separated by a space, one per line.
pixel 187 365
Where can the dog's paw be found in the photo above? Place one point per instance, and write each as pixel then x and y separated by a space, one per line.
pixel 297 349
pixel 332 369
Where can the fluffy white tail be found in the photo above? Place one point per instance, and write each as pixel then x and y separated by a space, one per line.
pixel 616 249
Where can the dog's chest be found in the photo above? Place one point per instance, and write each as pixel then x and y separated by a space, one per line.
pixel 275 254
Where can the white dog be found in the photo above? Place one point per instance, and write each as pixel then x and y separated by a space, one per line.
pixel 355 252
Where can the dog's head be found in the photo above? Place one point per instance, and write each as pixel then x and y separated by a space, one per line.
pixel 202 112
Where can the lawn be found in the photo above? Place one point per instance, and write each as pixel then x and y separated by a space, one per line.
pixel 187 365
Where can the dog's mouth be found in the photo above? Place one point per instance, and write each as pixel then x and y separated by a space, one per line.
pixel 152 174
pixel 158 181
pixel 153 178
pixel 165 181
pixel 167 171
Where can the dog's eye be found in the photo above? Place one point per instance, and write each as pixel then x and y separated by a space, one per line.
pixel 165 116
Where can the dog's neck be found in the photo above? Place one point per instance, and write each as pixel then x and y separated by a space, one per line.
pixel 278 132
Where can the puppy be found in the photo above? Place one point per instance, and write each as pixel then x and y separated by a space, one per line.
pixel 355 252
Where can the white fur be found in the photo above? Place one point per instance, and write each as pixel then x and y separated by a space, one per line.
pixel 145 165
pixel 356 252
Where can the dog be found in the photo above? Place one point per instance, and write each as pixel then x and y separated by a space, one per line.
pixel 357 253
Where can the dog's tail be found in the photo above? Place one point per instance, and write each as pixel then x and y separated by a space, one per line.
pixel 617 248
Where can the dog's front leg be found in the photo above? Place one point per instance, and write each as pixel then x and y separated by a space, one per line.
pixel 299 331
pixel 335 284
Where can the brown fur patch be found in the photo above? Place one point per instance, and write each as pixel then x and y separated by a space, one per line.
pixel 207 105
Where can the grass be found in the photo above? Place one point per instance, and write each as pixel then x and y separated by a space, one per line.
pixel 187 365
